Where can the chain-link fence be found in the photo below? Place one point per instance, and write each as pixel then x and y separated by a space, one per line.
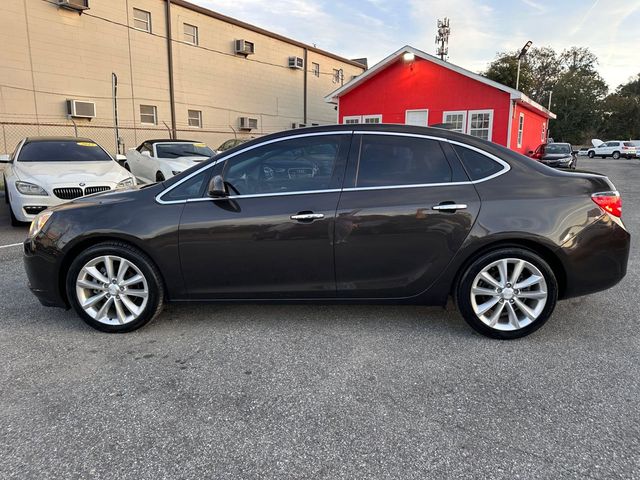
pixel 128 136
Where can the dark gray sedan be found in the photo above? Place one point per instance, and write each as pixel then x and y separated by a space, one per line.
pixel 346 213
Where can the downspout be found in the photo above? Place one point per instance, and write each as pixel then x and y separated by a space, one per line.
pixel 172 98
pixel 306 72
pixel 510 124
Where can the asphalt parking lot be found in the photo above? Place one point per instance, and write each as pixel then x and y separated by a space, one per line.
pixel 332 392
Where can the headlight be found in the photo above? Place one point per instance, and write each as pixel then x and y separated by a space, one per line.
pixel 176 172
pixel 27 188
pixel 127 182
pixel 38 223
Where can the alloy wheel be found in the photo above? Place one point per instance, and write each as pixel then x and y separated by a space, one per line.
pixel 509 294
pixel 112 290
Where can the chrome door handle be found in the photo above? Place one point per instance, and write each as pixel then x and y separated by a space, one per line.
pixel 450 206
pixel 307 216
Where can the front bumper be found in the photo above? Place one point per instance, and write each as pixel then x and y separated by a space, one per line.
pixel 42 264
pixel 596 258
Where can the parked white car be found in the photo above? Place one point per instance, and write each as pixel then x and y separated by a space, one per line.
pixel 157 160
pixel 46 171
pixel 612 148
pixel 636 143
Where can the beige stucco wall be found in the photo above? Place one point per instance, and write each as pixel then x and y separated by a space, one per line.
pixel 51 54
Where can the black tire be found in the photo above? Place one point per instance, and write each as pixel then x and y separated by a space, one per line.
pixel 132 254
pixel 463 292
pixel 616 155
pixel 159 177
pixel 591 154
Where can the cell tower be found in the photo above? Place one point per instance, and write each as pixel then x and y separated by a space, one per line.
pixel 442 39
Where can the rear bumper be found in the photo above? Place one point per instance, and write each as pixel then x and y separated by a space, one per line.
pixel 595 259
pixel 43 267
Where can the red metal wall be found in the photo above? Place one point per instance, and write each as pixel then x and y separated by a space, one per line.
pixel 532 132
pixel 422 84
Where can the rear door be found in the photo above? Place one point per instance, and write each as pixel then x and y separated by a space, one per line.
pixel 406 208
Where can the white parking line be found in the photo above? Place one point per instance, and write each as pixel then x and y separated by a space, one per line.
pixel 11 245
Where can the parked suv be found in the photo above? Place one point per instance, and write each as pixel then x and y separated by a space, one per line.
pixel 613 148
pixel 558 155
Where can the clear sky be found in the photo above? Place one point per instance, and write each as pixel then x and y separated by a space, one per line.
pixel 479 28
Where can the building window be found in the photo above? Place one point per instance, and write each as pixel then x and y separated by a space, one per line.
pixel 416 117
pixel 191 34
pixel 457 121
pixel 195 118
pixel 315 68
pixel 480 124
pixel 520 129
pixel 372 118
pixel 149 114
pixel 337 76
pixel 141 20
pixel 352 119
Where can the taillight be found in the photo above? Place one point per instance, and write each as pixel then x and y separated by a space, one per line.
pixel 610 202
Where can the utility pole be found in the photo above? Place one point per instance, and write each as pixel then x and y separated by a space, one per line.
pixel 442 38
pixel 523 52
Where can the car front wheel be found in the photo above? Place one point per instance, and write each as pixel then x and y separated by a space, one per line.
pixel 115 287
pixel 507 293
pixel 591 154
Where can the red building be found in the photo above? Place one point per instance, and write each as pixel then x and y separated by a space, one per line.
pixel 413 87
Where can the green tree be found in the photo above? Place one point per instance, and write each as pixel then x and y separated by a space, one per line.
pixel 621 112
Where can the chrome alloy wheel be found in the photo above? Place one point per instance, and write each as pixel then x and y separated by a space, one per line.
pixel 509 294
pixel 112 290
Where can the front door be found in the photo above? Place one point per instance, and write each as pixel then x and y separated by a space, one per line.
pixel 404 212
pixel 273 236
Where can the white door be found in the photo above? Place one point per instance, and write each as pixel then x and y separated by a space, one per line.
pixel 416 117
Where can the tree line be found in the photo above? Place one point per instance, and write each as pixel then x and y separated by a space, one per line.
pixel 579 95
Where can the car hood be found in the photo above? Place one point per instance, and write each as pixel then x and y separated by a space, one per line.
pixel 596 142
pixel 64 173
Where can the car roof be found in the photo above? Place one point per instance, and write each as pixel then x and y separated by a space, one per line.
pixel 58 139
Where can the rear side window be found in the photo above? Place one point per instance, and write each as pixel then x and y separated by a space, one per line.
pixel 388 160
pixel 63 151
pixel 628 144
pixel 477 165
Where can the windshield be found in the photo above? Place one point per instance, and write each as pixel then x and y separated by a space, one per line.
pixel 554 148
pixel 63 151
pixel 175 150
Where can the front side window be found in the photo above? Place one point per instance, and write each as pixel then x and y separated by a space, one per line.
pixel 295 165
pixel 149 114
pixel 195 118
pixel 477 165
pixel 191 34
pixel 192 188
pixel 392 160
pixel 63 151
pixel 141 20
pixel 480 124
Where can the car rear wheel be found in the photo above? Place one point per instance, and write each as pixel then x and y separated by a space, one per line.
pixel 616 155
pixel 507 293
pixel 115 287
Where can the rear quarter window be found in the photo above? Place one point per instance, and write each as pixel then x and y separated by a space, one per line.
pixel 477 165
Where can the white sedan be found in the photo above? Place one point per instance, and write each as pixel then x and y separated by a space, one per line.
pixel 157 160
pixel 46 171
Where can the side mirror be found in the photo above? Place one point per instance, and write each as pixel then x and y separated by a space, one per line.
pixel 146 153
pixel 4 158
pixel 217 188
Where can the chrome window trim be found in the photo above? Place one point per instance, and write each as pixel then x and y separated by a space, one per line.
pixel 505 165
